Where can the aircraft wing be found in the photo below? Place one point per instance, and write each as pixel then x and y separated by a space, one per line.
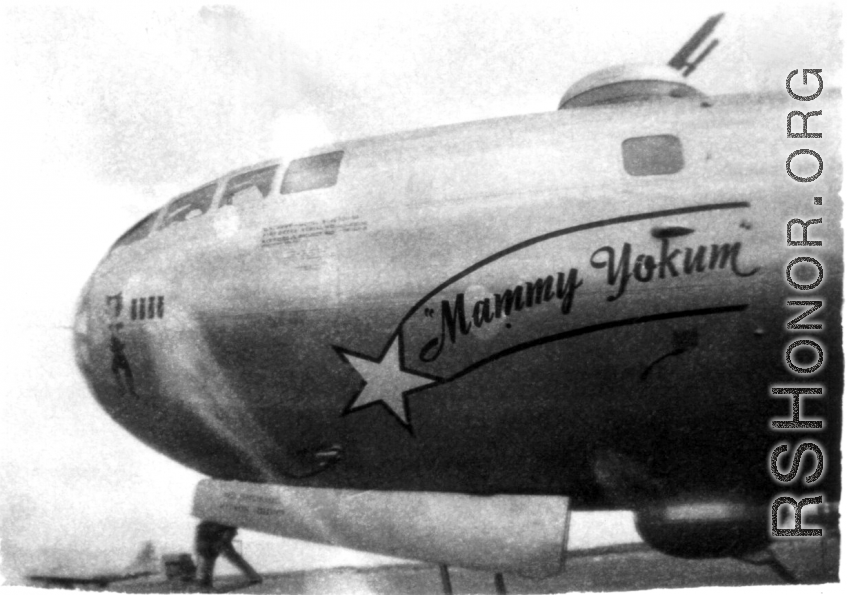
pixel 72 582
pixel 61 582
pixel 145 564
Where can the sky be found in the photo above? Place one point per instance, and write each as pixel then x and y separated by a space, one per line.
pixel 110 111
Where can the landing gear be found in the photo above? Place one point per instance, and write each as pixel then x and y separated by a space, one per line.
pixel 447 587
pixel 211 540
pixel 500 584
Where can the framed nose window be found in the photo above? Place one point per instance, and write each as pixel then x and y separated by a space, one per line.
pixel 139 231
pixel 190 205
pixel 657 155
pixel 248 187
pixel 311 173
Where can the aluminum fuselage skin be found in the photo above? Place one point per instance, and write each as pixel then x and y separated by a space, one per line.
pixel 642 367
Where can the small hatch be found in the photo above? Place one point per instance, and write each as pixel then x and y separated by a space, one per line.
pixel 656 155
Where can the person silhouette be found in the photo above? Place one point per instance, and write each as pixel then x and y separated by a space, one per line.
pixel 211 540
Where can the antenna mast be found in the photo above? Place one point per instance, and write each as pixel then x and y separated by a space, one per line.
pixel 680 60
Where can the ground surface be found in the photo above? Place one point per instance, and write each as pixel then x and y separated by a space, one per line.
pixel 812 561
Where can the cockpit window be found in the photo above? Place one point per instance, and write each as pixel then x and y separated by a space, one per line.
pixel 652 155
pixel 190 205
pixel 311 173
pixel 139 231
pixel 248 187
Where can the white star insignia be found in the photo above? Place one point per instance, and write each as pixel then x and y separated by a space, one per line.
pixel 385 382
